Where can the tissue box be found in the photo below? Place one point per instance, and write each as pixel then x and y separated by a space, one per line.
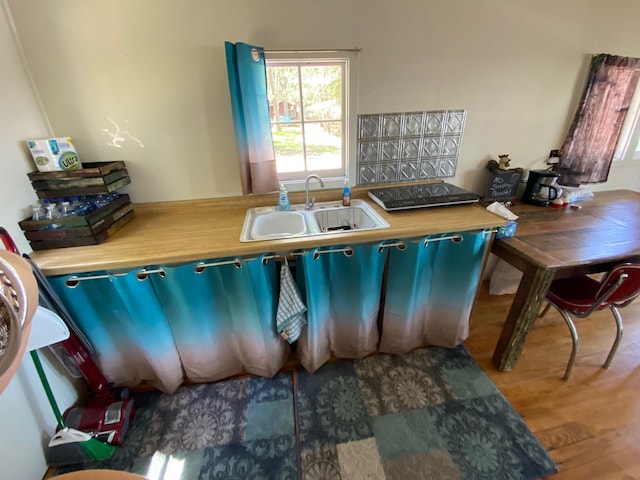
pixel 54 154
pixel 509 230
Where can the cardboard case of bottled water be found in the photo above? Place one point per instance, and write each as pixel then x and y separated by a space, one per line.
pixel 54 154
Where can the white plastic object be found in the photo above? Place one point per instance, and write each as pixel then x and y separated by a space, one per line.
pixel 504 212
pixel 68 435
pixel 47 328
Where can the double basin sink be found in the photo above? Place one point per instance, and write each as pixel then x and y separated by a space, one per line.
pixel 326 218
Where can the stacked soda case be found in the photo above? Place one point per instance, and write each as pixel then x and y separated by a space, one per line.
pixel 78 208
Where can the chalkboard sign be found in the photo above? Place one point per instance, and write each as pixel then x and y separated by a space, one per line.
pixel 503 185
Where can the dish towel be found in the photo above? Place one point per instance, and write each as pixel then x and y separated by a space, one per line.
pixel 291 310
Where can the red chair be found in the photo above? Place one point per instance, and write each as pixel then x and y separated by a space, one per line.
pixel 581 296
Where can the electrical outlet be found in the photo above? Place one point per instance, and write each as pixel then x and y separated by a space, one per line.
pixel 554 157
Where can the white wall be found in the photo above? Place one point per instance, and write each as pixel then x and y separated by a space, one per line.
pixel 156 68
pixel 26 420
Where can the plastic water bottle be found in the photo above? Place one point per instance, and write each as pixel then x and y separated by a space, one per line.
pixel 100 200
pixel 74 203
pixel 65 209
pixel 50 209
pixel 37 212
pixel 86 206
pixel 51 212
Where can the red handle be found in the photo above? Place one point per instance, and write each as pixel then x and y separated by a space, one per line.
pixel 8 242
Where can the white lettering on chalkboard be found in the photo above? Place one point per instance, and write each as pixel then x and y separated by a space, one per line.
pixel 504 185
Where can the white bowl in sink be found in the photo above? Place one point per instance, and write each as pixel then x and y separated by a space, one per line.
pixel 278 224
pixel 326 218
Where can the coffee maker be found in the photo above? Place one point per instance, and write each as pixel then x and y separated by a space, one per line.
pixel 541 188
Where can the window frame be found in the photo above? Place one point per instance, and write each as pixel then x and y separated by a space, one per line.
pixel 628 147
pixel 335 179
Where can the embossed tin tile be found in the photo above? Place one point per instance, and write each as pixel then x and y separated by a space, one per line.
pixel 369 126
pixel 431 146
pixel 447 167
pixel 388 172
pixel 450 145
pixel 428 169
pixel 433 122
pixel 413 124
pixel 368 174
pixel 392 124
pixel 411 148
pixel 455 121
pixel 369 151
pixel 406 146
pixel 409 170
pixel 390 150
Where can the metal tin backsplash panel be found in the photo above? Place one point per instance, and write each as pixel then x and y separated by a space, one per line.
pixel 408 146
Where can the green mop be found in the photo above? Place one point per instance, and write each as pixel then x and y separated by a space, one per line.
pixel 69 446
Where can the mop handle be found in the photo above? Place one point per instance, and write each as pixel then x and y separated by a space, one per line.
pixel 47 388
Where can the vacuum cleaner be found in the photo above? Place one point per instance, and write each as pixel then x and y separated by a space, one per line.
pixel 108 411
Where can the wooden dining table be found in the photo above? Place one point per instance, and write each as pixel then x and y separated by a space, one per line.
pixel 550 243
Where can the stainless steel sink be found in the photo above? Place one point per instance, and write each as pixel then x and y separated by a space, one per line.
pixel 326 218
pixel 344 219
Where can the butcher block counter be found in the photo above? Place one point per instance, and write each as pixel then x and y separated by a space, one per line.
pixel 183 231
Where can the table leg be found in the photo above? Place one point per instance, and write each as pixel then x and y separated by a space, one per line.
pixel 524 311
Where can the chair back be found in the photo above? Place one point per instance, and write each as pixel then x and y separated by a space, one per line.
pixel 627 276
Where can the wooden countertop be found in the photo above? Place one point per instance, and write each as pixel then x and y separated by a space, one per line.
pixel 183 231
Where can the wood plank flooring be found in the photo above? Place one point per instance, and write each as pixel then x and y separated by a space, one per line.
pixel 591 424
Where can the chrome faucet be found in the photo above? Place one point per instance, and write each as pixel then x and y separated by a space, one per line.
pixel 308 205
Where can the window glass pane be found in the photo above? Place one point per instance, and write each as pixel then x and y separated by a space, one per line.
pixel 322 92
pixel 287 141
pixel 284 94
pixel 324 145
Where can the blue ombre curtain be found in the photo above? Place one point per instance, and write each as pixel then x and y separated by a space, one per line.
pixel 223 319
pixel 430 291
pixel 342 294
pixel 250 108
pixel 122 318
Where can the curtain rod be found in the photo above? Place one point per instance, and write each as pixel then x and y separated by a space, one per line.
pixel 356 50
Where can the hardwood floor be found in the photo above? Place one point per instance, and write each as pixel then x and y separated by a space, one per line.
pixel 590 424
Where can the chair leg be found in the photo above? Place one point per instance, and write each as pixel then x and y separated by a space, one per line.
pixel 614 348
pixel 574 339
pixel 544 312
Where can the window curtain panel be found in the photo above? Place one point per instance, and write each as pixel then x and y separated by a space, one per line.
pixel 588 149
pixel 223 319
pixel 124 321
pixel 250 108
pixel 342 295
pixel 430 291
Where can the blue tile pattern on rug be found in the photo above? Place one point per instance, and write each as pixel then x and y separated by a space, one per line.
pixel 330 408
pixel 433 414
pixel 430 413
pixel 259 460
pixel 217 430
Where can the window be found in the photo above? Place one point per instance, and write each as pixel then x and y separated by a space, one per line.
pixel 311 115
pixel 628 147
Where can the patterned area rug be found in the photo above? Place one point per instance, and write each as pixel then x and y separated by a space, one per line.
pixel 428 414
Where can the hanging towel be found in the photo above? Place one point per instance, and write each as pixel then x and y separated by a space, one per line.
pixel 291 310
